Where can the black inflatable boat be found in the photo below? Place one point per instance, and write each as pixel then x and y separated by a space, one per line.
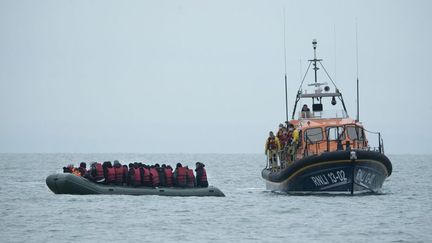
pixel 71 184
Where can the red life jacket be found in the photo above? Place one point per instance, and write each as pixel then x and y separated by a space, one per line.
pixel 99 171
pixel 137 176
pixel 203 179
pixel 119 171
pixel 181 176
pixel 147 180
pixel 169 177
pixel 154 177
pixel 111 176
pixel 125 174
pixel 190 178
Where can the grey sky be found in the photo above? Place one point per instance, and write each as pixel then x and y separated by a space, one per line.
pixel 202 76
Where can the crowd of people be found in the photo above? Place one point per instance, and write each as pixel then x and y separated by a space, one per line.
pixel 281 149
pixel 138 174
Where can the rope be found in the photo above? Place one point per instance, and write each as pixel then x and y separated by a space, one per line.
pixel 304 77
pixel 327 74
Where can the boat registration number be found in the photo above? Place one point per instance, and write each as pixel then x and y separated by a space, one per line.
pixel 329 178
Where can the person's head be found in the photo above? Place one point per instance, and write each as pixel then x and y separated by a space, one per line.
pixel 271 134
pixel 305 108
pixel 83 165
pixel 131 165
pixel 163 165
pixel 116 163
pixel 281 125
pixel 290 127
pixel 179 165
pixel 157 165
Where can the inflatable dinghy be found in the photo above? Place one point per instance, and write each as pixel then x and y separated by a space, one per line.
pixel 71 184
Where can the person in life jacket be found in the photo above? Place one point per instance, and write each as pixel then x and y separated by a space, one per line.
pixel 284 138
pixel 305 112
pixel 125 174
pixel 111 176
pixel 201 175
pixel 71 169
pixel 68 168
pixel 96 172
pixel 119 173
pixel 76 171
pixel 280 134
pixel 154 176
pixel 294 142
pixel 135 175
pixel 82 168
pixel 168 175
pixel 179 176
pixel 272 148
pixel 105 165
pixel 147 180
pixel 161 172
pixel 190 177
pixel 141 171
pixel 130 175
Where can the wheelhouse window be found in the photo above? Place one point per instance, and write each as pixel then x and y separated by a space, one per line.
pixel 335 133
pixel 313 135
pixel 355 133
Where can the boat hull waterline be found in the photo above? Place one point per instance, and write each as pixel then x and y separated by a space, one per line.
pixel 332 172
pixel 71 184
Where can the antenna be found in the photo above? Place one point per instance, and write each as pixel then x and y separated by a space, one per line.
pixel 334 37
pixel 300 69
pixel 286 82
pixel 357 63
pixel 315 60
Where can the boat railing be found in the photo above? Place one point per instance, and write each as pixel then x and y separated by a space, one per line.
pixel 327 114
pixel 379 146
pixel 312 147
pixel 360 143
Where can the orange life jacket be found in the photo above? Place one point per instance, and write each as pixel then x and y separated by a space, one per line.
pixel 76 172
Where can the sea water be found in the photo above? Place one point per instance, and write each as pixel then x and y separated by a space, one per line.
pixel 30 212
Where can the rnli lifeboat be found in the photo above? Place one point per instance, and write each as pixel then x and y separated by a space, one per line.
pixel 333 153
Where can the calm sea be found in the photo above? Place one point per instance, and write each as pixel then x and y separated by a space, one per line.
pixel 30 212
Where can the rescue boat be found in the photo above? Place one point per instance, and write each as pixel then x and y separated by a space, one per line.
pixel 332 154
pixel 68 183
